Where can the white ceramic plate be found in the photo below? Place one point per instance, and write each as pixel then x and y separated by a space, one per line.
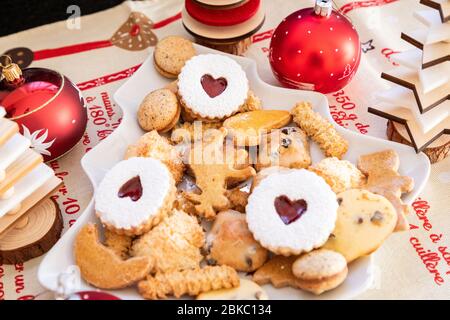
pixel 104 156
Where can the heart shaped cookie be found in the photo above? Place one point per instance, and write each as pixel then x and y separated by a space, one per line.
pixel 289 210
pixel 213 87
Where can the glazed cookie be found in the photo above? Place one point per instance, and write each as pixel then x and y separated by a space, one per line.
pixel 170 55
pixel 212 86
pixel 159 111
pixel 231 243
pixel 364 221
pixel 320 270
pixel 152 145
pixel 135 195
pixel 174 244
pixel 287 147
pixel 292 212
pixel 340 175
pixel 247 290
pixel 102 267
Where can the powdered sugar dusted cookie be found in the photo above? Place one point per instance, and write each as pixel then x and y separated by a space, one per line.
pixel 292 212
pixel 212 86
pixel 135 195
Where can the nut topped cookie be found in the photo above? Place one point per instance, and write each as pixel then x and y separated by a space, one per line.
pixel 135 195
pixel 292 211
pixel 212 86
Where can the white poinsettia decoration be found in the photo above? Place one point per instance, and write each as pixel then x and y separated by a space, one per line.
pixel 38 140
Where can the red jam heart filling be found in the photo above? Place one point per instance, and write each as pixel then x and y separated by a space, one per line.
pixel 289 210
pixel 132 188
pixel 213 87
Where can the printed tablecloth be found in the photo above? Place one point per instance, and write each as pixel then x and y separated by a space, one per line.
pixel 413 264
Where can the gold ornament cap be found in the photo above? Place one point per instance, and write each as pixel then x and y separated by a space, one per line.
pixel 10 70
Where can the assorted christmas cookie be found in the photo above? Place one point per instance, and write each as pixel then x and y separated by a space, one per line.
pixel 364 221
pixel 320 270
pixel 231 243
pixel 288 147
pixel 298 208
pixel 212 86
pixel 174 244
pixel 278 272
pixel 170 55
pixel 247 128
pixel 159 111
pixel 153 145
pixel 102 267
pixel 135 195
pixel 341 175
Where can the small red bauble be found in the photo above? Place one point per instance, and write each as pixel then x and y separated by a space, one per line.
pixel 311 51
pixel 92 295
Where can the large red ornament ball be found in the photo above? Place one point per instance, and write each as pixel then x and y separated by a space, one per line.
pixel 313 52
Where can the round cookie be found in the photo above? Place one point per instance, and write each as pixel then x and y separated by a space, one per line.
pixel 159 111
pixel 135 195
pixel 231 243
pixel 170 55
pixel 287 147
pixel 247 290
pixel 364 221
pixel 320 270
pixel 212 86
pixel 292 211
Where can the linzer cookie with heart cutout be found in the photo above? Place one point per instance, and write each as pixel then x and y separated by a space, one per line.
pixel 135 195
pixel 212 87
pixel 292 211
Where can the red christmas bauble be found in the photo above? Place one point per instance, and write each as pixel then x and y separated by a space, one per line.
pixel 92 295
pixel 314 52
pixel 49 110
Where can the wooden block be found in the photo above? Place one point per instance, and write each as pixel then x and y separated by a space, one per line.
pixel 45 190
pixel 438 150
pixel 419 140
pixel 20 168
pixel 12 150
pixel 32 235
pixel 8 128
pixel 410 79
pixel 443 6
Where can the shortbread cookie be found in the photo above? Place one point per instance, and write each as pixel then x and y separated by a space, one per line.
pixel 320 130
pixel 264 173
pixel 174 244
pixel 212 86
pixel 159 111
pixel 287 147
pixel 383 178
pixel 247 128
pixel 183 204
pixel 135 195
pixel 119 243
pixel 252 103
pixel 364 221
pixel 278 272
pixel 152 145
pixel 340 175
pixel 170 55
pixel 188 282
pixel 292 212
pixel 102 267
pixel 320 270
pixel 231 243
pixel 212 171
pixel 247 290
